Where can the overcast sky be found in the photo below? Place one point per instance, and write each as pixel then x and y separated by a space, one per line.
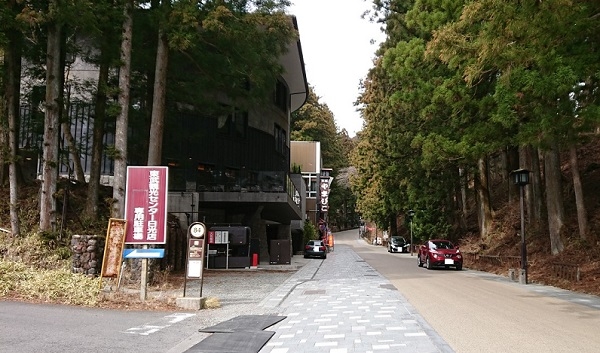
pixel 337 50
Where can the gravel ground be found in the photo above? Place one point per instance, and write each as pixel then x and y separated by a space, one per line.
pixel 238 292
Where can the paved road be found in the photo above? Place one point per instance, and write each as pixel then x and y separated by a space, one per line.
pixel 461 311
pixel 479 312
pixel 360 299
pixel 36 328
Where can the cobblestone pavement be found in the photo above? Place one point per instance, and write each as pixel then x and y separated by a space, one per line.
pixel 337 305
pixel 342 305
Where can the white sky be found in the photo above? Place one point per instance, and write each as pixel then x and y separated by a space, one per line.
pixel 337 50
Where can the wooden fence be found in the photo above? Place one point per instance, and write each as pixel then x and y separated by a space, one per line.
pixel 571 272
pixel 500 260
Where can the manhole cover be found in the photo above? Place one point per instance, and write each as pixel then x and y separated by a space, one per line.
pixel 315 291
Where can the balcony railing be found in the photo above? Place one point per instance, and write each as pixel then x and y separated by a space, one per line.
pixel 228 180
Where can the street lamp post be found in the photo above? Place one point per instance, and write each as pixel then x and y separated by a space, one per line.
pixel 411 214
pixel 521 178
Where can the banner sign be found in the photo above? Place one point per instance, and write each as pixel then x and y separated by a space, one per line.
pixel 115 235
pixel 146 205
pixel 324 193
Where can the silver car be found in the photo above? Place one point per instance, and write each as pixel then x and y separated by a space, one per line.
pixel 315 248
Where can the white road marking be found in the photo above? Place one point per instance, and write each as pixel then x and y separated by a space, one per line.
pixel 146 330
pixel 179 317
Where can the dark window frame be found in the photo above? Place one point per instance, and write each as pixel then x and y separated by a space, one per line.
pixel 282 96
pixel 280 136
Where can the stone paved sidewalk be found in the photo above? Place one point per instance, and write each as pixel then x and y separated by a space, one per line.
pixel 342 305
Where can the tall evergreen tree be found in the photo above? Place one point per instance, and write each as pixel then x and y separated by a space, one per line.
pixel 53 100
pixel 122 123
pixel 9 114
pixel 108 24
pixel 541 52
pixel 315 122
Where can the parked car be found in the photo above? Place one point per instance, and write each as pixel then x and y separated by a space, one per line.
pixel 397 244
pixel 315 248
pixel 439 253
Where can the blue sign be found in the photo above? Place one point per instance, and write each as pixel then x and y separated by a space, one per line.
pixel 143 253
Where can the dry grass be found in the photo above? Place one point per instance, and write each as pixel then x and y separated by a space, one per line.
pixel 212 303
pixel 22 282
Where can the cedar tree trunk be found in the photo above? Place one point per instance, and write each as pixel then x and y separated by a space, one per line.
pixel 122 123
pixel 50 156
pixel 554 199
pixel 483 199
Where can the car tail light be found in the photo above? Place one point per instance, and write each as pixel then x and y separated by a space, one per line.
pixel 321 248
pixel 307 247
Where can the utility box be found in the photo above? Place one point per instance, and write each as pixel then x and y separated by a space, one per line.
pixel 281 253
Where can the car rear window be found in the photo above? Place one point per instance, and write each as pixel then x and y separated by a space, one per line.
pixel 443 245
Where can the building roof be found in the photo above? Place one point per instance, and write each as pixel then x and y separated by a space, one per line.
pixel 295 73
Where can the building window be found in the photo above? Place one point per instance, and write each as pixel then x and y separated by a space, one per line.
pixel 280 139
pixel 233 124
pixel 282 96
pixel 312 184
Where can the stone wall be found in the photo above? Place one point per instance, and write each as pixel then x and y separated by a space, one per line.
pixel 87 254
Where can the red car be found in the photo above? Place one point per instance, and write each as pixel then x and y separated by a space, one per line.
pixel 439 253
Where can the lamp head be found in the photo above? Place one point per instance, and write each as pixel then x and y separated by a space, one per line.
pixel 520 176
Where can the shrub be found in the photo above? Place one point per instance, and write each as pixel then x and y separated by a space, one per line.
pixel 55 285
pixel 309 231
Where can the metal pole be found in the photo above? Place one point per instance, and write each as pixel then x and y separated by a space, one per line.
pixel 411 237
pixel 144 277
pixel 204 245
pixel 523 245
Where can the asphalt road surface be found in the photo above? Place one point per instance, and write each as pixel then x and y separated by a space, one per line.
pixel 66 329
pixel 472 311
pixel 477 312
